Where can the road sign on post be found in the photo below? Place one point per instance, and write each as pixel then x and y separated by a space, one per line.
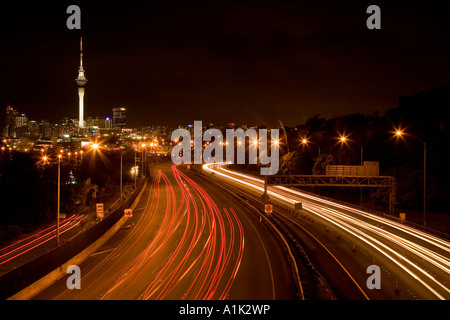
pixel 100 210
pixel 268 208
pixel 128 213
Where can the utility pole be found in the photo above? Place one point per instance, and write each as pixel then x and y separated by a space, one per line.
pixel 59 197
pixel 135 170
pixel 121 192
pixel 424 183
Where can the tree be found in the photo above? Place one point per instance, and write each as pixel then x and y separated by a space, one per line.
pixel 22 193
pixel 321 164
pixel 295 163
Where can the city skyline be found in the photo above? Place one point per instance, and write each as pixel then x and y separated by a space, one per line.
pixel 235 151
pixel 221 62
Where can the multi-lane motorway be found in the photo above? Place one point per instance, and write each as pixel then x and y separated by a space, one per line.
pixel 30 247
pixel 186 240
pixel 413 264
pixel 196 235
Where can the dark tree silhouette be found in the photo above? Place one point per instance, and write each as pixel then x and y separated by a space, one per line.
pixel 22 193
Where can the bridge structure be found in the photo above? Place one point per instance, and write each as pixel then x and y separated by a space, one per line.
pixel 387 182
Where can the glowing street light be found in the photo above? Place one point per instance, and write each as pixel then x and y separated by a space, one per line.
pixel 343 139
pixel 399 134
pixel 305 142
pixel 59 197
pixel 143 156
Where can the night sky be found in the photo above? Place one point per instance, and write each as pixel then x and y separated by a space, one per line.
pixel 173 62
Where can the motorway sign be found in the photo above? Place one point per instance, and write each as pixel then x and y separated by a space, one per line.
pixel 128 213
pixel 268 208
pixel 298 206
pixel 100 210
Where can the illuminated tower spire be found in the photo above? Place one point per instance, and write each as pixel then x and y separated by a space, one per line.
pixel 81 81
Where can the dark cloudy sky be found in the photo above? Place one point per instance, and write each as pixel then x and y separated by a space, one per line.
pixel 254 62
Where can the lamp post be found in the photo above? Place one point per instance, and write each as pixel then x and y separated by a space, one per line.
pixel 305 142
pixel 59 197
pixel 121 193
pixel 135 169
pixel 143 158
pixel 399 133
pixel 343 139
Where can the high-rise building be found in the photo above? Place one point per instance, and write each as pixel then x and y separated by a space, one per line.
pixel 10 128
pixel 21 121
pixel 119 118
pixel 67 127
pixel 107 123
pixel 33 129
pixel 44 129
pixel 81 81
pixel 96 122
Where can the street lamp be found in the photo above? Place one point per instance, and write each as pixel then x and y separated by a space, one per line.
pixel 143 158
pixel 59 197
pixel 121 194
pixel 399 134
pixel 135 169
pixel 305 142
pixel 343 139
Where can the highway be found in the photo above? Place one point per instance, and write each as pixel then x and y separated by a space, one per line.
pixel 28 248
pixel 186 240
pixel 414 264
pixel 36 243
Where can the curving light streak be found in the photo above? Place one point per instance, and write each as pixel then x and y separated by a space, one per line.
pixel 195 253
pixel 431 239
pixel 36 240
pixel 385 250
pixel 354 225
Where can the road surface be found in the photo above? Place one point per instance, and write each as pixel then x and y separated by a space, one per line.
pixel 413 264
pixel 186 240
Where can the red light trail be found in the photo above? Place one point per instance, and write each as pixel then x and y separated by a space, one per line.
pixel 182 246
pixel 36 240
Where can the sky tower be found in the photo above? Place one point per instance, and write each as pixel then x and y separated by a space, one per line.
pixel 81 81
